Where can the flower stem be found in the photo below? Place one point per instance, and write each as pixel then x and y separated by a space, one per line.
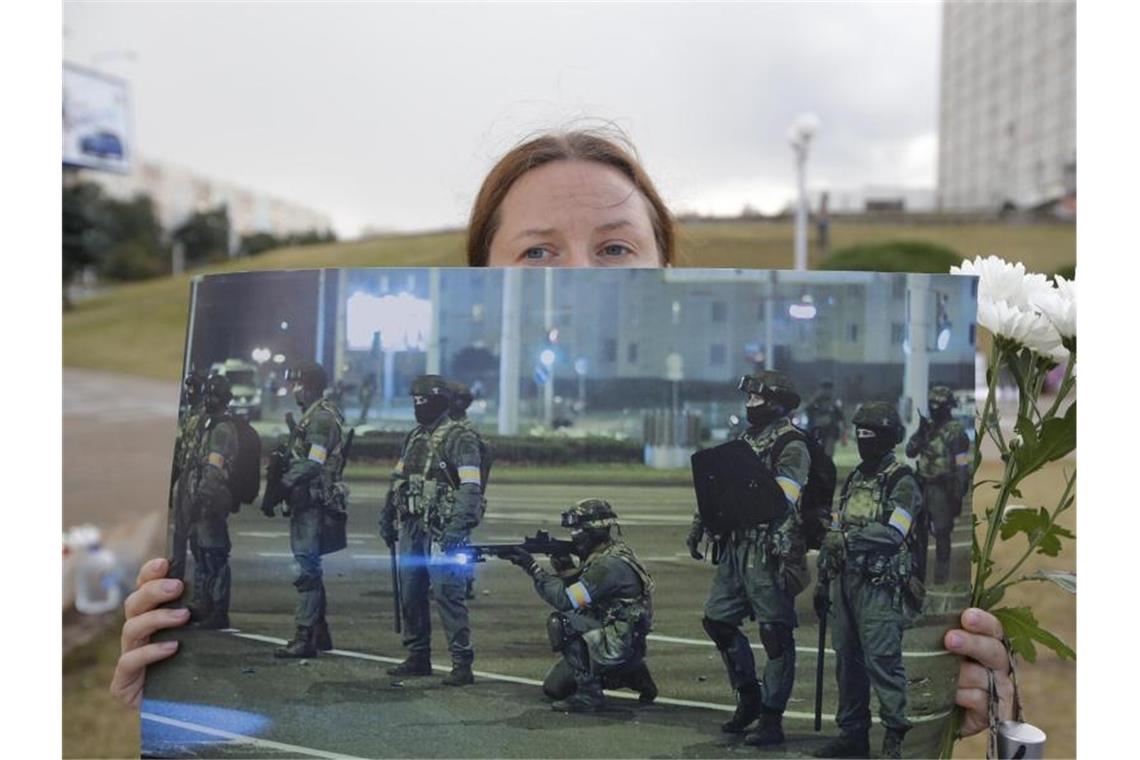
pixel 1034 543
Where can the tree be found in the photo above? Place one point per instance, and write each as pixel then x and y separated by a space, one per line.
pixel 205 236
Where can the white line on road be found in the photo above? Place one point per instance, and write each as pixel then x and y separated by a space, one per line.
pixel 617 694
pixel 243 739
pixel 758 647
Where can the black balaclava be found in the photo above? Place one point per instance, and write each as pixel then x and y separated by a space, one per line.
pixel 763 414
pixel 873 445
pixel 587 539
pixel 429 408
pixel 940 412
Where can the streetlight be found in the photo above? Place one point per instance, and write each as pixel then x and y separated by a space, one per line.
pixel 802 129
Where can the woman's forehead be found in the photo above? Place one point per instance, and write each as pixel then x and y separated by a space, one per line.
pixel 572 192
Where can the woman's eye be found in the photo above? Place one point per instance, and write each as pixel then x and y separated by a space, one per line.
pixel 616 250
pixel 535 254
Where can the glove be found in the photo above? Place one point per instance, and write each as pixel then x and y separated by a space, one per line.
pixel 562 563
pixel 452 540
pixel 821 600
pixel 522 558
pixel 388 533
pixel 693 542
pixel 835 546
pixel 267 508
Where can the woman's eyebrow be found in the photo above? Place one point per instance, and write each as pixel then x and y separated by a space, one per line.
pixel 617 224
pixel 535 232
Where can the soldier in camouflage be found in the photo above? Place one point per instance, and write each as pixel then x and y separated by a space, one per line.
pixel 943 452
pixel 461 398
pixel 309 484
pixel 205 485
pixel 603 612
pixel 435 500
pixel 825 417
pixel 866 571
pixel 191 424
pixel 761 569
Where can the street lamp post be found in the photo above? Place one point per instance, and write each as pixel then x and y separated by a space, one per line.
pixel 800 134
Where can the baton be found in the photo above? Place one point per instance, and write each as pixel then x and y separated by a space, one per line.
pixel 396 585
pixel 819 669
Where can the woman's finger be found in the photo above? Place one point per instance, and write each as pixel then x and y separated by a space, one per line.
pixel 152 594
pixel 138 630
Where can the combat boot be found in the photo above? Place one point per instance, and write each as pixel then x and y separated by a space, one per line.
pixel 415 665
pixel 586 700
pixel 892 743
pixel 215 621
pixel 322 637
pixel 460 675
pixel 300 646
pixel 640 680
pixel 846 745
pixel 748 707
pixel 770 730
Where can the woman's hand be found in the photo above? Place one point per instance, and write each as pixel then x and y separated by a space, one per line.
pixel 144 617
pixel 979 643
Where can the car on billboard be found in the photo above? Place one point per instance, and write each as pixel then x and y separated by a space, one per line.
pixel 102 145
pixel 243 384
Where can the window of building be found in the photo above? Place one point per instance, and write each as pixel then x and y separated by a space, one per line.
pixel 717 354
pixel 898 332
pixel 609 350
pixel 853 332
pixel 973 334
pixel 631 353
pixel 719 311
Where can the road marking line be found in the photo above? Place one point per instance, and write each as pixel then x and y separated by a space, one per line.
pixel 759 647
pixel 275 555
pixel 242 738
pixel 534 682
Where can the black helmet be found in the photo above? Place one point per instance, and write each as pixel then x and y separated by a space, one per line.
pixel 461 397
pixel 775 387
pixel 192 387
pixel 589 513
pixel 941 397
pixel 217 387
pixel 432 385
pixel 881 417
pixel 310 375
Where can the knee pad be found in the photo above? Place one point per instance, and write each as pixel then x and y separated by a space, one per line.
pixel 559 632
pixel 722 634
pixel 776 638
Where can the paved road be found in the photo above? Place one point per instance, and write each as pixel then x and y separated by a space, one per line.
pixel 343 703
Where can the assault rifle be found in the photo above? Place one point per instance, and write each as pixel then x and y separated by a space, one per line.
pixel 539 543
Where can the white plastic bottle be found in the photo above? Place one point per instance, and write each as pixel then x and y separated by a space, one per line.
pixel 97 578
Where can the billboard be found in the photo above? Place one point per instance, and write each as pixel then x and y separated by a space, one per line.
pixel 96 120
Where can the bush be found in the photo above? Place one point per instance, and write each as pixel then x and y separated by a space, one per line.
pixel 894 256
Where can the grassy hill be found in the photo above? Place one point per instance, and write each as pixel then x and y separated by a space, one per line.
pixel 139 329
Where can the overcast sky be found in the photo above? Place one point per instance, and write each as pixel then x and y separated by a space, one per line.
pixel 388 116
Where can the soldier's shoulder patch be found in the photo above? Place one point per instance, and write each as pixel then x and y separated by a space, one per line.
pixel 216 459
pixel 579 595
pixel 318 453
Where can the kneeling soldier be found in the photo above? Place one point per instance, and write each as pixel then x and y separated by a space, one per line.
pixel 604 611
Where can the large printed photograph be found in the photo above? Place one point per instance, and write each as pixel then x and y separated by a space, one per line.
pixel 568 513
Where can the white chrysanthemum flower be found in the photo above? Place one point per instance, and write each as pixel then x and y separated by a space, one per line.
pixel 1028 327
pixel 999 280
pixel 1060 305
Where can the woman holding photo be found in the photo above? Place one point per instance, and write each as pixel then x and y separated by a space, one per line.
pixel 571 199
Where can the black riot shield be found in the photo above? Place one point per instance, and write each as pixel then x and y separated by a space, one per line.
pixel 734 488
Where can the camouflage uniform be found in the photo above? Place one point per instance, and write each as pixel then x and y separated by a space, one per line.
pixel 190 429
pixel 310 484
pixel 825 420
pixel 942 450
pixel 754 567
pixel 436 494
pixel 205 485
pixel 866 566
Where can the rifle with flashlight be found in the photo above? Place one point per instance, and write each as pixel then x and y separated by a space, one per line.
pixel 540 543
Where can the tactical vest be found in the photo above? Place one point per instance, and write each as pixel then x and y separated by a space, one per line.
pixel 193 430
pixel 638 610
pixel 431 481
pixel 762 444
pixel 936 459
pixel 863 500
pixel 299 447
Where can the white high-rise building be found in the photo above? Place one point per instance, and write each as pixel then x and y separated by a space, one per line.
pixel 1008 104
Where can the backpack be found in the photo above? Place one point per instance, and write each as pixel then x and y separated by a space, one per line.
pixel 245 477
pixel 819 491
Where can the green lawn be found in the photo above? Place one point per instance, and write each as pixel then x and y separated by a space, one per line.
pixel 571 474
pixel 139 329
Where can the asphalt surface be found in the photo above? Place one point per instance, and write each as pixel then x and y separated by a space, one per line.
pixel 225 695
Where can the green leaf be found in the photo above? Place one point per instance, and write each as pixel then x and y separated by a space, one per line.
pixel 1022 630
pixel 1063 578
pixel 992 596
pixel 1037 527
pixel 1056 439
